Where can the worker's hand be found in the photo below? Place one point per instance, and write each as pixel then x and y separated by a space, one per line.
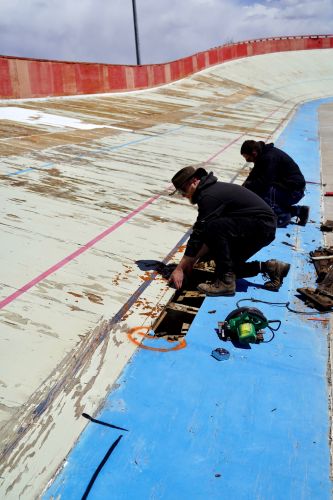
pixel 177 277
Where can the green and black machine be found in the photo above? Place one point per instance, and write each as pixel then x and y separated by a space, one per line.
pixel 246 324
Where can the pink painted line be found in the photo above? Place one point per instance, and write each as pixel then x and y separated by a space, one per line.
pixel 75 254
pixel 211 158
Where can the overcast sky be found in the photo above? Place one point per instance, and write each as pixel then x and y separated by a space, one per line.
pixel 102 30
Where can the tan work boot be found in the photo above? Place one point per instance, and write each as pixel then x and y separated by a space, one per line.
pixel 275 270
pixel 225 286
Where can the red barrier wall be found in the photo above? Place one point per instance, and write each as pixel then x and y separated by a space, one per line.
pixel 21 77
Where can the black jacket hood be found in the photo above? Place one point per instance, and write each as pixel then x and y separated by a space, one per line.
pixel 205 182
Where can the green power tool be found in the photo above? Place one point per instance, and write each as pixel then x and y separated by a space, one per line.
pixel 246 325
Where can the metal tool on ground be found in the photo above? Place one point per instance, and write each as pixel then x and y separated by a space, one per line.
pixel 221 354
pixel 246 324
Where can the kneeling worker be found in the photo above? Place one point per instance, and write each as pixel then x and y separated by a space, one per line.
pixel 277 179
pixel 232 225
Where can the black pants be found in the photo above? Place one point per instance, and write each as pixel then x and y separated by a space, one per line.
pixel 283 203
pixel 232 241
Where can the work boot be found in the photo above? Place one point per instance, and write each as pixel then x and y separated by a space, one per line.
pixel 303 215
pixel 275 270
pixel 225 286
pixel 283 220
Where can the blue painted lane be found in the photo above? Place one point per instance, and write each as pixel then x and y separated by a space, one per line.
pixel 253 426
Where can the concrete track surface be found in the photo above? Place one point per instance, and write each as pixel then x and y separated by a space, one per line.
pixel 85 207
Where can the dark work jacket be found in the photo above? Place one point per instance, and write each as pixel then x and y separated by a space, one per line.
pixel 221 199
pixel 274 167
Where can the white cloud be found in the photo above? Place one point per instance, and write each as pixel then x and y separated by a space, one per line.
pixel 287 17
pixel 102 31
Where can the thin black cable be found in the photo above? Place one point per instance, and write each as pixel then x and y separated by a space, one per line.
pixel 282 304
pixel 263 301
pixel 272 337
pixel 274 321
pixel 99 468
pixel 306 312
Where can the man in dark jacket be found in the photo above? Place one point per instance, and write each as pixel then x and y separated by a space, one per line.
pixel 232 225
pixel 277 179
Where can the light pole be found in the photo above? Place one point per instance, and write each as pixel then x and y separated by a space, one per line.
pixel 136 32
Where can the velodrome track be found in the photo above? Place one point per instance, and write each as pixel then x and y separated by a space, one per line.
pixel 85 183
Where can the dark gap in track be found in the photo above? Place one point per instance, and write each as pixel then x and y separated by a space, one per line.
pixel 177 316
